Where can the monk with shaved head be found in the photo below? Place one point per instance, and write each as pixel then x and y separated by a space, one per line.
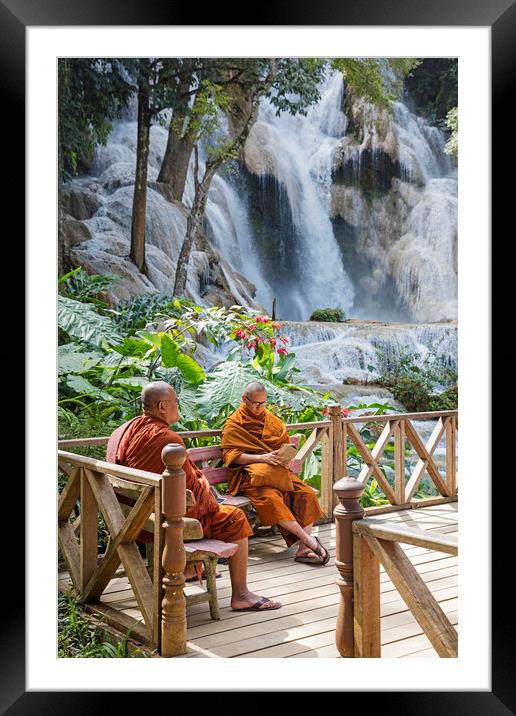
pixel 139 444
pixel 251 439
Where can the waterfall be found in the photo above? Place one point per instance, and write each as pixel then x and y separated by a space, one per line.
pixel 356 210
pixel 363 350
pixel 367 214
pixel 300 254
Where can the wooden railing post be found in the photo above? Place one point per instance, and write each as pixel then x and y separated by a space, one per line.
pixel 348 491
pixel 173 500
pixel 339 464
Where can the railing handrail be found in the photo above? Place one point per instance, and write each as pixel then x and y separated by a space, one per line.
pixel 335 433
pixel 84 442
pixel 415 536
pixel 119 471
pixel 400 416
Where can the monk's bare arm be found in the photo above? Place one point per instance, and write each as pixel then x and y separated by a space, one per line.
pixel 270 458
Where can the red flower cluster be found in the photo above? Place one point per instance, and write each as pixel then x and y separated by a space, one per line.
pixel 262 319
pixel 251 345
pixel 240 334
pixel 285 340
pixel 282 351
pixel 275 325
pixel 344 413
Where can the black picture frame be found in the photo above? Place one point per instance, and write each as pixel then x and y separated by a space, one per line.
pixel 500 16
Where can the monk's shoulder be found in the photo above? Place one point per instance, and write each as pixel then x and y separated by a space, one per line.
pixel 167 435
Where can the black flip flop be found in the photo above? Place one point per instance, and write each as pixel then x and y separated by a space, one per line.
pixel 256 606
pixel 308 560
pixel 319 550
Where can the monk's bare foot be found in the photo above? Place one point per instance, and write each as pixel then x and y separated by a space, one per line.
pixel 253 602
pixel 305 551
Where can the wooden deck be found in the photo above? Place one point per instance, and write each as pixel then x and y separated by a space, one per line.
pixel 305 625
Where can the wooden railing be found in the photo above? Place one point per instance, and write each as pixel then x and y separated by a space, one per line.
pixel 337 435
pixel 399 428
pixel 361 545
pixel 160 596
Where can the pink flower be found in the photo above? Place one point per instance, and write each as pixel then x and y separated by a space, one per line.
pixel 285 340
pixel 325 411
pixel 275 325
pixel 282 351
pixel 345 413
pixel 273 341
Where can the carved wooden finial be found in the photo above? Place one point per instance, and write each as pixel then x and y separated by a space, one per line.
pixel 348 488
pixel 173 456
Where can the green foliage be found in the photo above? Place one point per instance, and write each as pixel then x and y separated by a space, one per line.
pixel 372 496
pixel 81 286
pixel 171 357
pixel 80 321
pixel 452 122
pixel 140 310
pixel 334 315
pixel 210 98
pixel 420 387
pixel 377 80
pixel 433 88
pixel 92 92
pixel 447 400
pixel 296 83
pixel 78 637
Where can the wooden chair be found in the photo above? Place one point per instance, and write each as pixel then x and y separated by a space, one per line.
pixel 198 550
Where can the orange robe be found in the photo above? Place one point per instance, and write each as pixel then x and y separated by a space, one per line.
pixel 244 432
pixel 140 448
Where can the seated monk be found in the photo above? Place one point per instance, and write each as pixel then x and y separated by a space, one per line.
pixel 251 438
pixel 140 446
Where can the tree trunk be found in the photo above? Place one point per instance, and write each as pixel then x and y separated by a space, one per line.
pixel 174 168
pixel 193 223
pixel 202 187
pixel 140 183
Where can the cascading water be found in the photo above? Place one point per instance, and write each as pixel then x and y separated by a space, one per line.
pixel 397 244
pixel 367 222
pixel 300 255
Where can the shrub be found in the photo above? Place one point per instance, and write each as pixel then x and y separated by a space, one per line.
pixel 333 315
pixel 429 386
pixel 78 637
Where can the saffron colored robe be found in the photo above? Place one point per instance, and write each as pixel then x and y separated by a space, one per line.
pixel 245 433
pixel 140 448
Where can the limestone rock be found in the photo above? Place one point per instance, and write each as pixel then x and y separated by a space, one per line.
pixel 79 203
pixel 259 150
pixel 74 232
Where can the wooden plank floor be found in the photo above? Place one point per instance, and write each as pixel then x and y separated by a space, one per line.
pixel 305 625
